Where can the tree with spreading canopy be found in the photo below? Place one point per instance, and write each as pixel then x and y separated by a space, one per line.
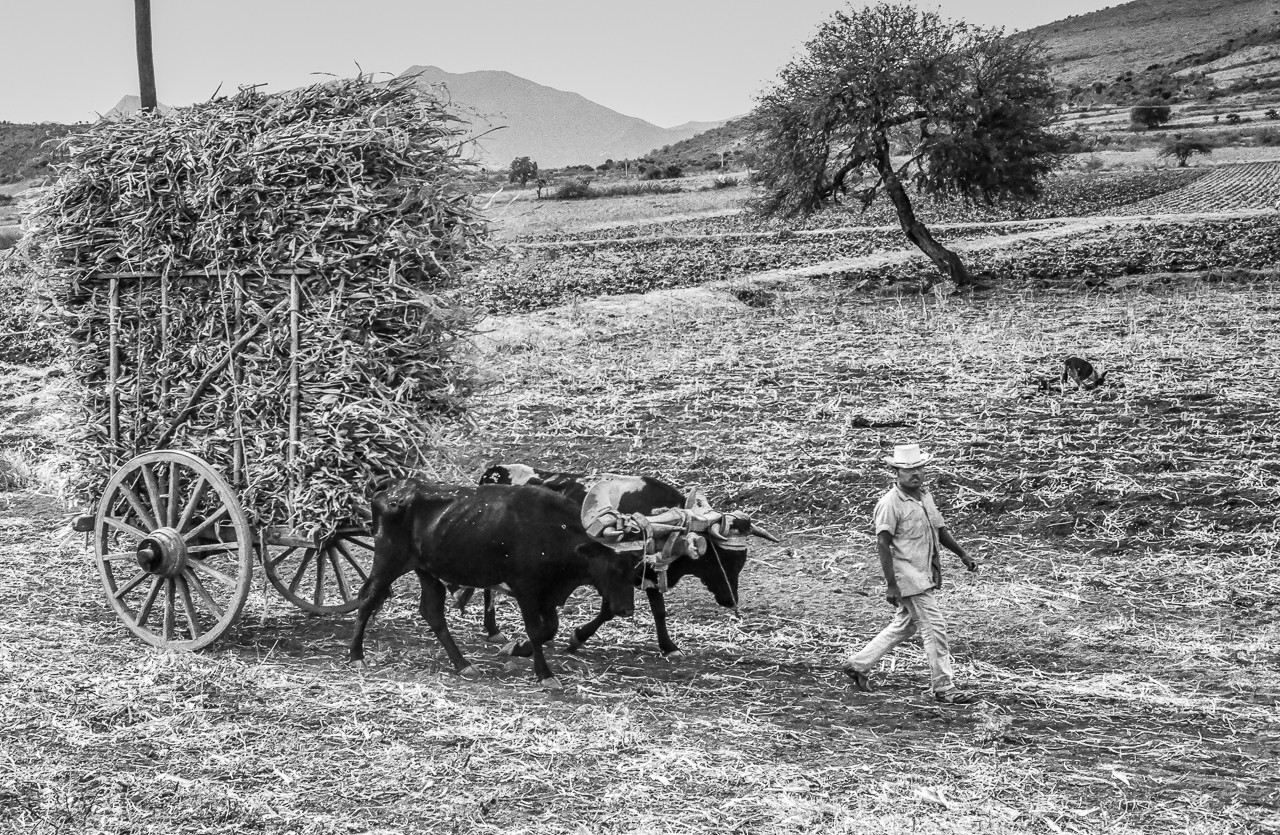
pixel 523 170
pixel 969 108
pixel 1182 148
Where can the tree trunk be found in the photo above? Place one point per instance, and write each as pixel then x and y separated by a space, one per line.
pixel 146 65
pixel 947 262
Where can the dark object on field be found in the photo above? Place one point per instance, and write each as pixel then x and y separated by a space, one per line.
pixel 718 569
pixel 9 236
pixel 752 297
pixel 1082 373
pixel 525 539
pixel 1046 385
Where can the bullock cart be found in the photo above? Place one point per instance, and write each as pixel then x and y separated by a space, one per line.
pixel 175 538
pixel 263 319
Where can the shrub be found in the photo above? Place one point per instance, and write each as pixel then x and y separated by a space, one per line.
pixel 725 182
pixel 1149 115
pixel 573 190
pixel 1233 118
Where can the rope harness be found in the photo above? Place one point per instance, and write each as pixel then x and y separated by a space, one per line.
pixel 659 539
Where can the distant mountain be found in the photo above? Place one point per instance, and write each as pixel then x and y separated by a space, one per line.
pixel 1152 47
pixel 552 127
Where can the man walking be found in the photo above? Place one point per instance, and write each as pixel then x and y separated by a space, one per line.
pixel 909 530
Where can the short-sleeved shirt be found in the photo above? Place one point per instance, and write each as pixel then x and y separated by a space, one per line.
pixel 914 526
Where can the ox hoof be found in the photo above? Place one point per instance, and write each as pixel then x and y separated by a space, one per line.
pixel 552 683
pixel 469 672
pixel 674 657
pixel 573 646
pixel 358 664
pixel 509 649
pixel 496 638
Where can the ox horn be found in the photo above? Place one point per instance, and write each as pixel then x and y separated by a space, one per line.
pixel 756 530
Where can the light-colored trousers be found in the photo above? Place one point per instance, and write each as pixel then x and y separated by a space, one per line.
pixel 917 613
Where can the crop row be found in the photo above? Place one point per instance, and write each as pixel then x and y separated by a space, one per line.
pixel 548 276
pixel 1113 250
pixel 1066 195
pixel 1253 186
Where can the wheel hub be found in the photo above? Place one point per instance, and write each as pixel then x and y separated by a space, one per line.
pixel 163 552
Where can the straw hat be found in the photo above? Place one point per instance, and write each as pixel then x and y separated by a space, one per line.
pixel 907 456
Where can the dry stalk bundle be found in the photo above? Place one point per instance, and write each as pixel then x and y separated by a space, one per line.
pixel 357 186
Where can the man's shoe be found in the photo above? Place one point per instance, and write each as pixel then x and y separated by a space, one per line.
pixel 956 697
pixel 861 680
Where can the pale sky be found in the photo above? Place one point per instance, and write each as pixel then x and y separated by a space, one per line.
pixel 665 61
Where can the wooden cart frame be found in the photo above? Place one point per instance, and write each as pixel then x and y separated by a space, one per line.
pixel 172 542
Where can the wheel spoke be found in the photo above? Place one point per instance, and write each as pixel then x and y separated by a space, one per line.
pixel 215 574
pixel 135 501
pixel 302 568
pixel 184 593
pixel 145 610
pixel 213 519
pixel 342 549
pixel 153 493
pixel 344 588
pixel 194 582
pixel 318 597
pixel 194 502
pixel 124 527
pixel 120 555
pixel 172 504
pixel 215 548
pixel 170 615
pixel 134 582
pixel 363 544
pixel 281 557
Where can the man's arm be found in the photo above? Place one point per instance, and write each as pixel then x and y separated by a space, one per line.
pixel 944 536
pixel 884 544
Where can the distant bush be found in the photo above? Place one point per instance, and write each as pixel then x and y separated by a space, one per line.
pixel 1268 136
pixel 573 190
pixel 725 182
pixel 584 190
pixel 1233 118
pixel 1149 115
pixel 664 172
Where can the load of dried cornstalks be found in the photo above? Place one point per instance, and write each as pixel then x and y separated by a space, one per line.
pixel 290 318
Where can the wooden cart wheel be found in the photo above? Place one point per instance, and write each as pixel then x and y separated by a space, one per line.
pixel 174 550
pixel 324 580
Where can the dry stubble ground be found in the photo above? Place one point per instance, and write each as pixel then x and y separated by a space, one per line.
pixel 1123 626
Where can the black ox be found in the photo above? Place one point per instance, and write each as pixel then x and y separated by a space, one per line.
pixel 719 569
pixel 524 540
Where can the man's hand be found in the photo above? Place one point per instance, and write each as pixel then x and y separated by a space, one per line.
pixel 968 562
pixel 891 594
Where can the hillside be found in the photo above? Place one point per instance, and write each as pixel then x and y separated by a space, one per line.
pixel 731 139
pixel 1148 47
pixel 23 153
pixel 553 127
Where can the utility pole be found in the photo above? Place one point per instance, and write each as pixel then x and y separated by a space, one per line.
pixel 146 65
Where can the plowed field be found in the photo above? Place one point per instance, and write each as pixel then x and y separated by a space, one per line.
pixel 1123 629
